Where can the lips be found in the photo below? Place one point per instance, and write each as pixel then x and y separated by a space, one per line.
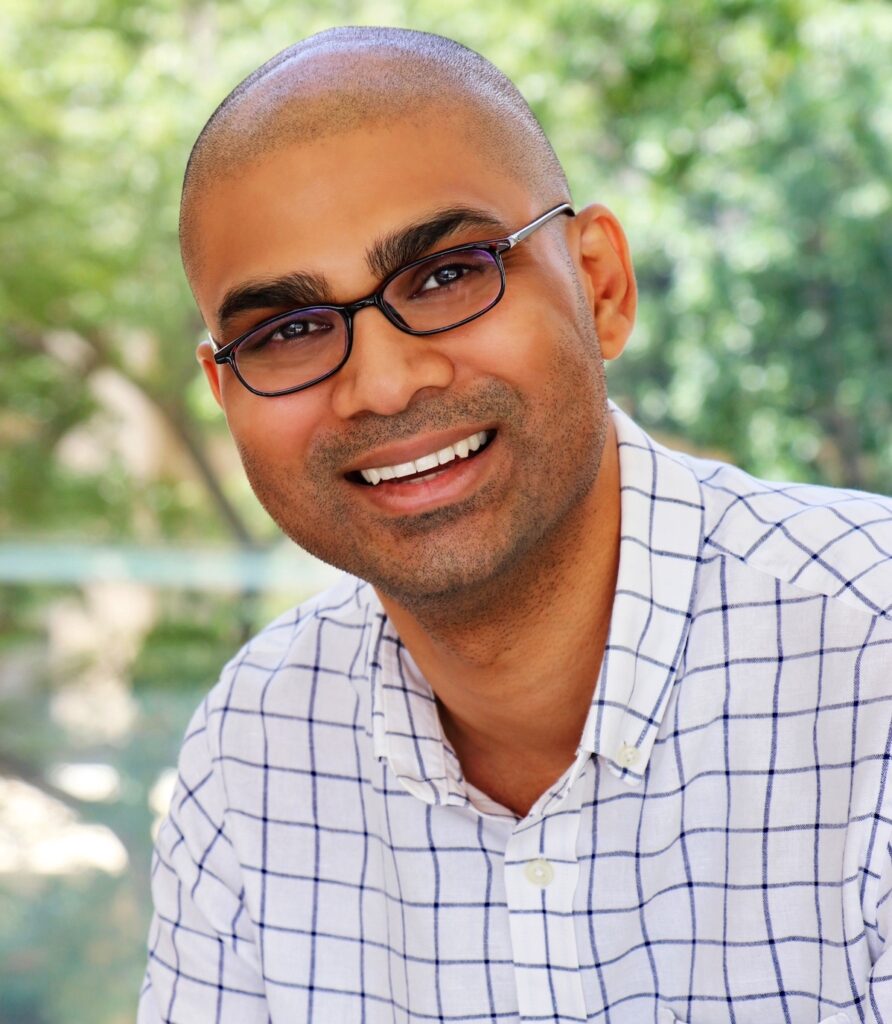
pixel 427 464
pixel 451 484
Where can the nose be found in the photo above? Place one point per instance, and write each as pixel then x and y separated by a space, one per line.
pixel 387 368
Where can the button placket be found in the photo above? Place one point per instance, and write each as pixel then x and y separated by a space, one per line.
pixel 541 875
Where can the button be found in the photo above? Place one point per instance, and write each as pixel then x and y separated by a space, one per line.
pixel 628 755
pixel 539 872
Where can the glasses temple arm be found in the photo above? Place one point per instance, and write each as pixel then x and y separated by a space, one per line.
pixel 525 232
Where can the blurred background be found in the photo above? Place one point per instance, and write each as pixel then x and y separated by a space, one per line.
pixel 744 145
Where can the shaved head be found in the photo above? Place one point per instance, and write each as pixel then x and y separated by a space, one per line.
pixel 347 79
pixel 344 160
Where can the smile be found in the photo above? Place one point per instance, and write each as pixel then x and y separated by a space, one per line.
pixel 427 466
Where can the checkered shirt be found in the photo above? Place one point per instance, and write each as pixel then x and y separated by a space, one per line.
pixel 719 851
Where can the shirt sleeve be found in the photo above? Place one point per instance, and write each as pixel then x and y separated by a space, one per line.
pixel 203 959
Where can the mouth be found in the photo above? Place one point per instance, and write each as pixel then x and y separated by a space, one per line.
pixel 426 467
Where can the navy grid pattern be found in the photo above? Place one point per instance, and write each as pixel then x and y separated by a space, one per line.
pixel 718 851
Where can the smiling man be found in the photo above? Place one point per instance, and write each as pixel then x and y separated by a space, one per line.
pixel 591 730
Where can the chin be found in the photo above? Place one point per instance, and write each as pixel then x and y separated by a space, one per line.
pixel 458 574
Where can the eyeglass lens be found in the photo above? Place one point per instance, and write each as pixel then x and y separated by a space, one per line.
pixel 306 344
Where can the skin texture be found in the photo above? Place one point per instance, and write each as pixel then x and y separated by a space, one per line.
pixel 502 591
pixel 348 79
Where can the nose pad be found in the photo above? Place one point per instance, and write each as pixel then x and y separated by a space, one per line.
pixel 393 315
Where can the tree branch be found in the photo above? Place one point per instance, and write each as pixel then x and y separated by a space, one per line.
pixel 177 419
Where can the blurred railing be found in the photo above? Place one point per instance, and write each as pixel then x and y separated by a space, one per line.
pixel 283 567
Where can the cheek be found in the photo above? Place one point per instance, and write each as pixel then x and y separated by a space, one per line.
pixel 525 341
pixel 270 430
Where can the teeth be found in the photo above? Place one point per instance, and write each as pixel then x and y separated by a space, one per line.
pixel 459 450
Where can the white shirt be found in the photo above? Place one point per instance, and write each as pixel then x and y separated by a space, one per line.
pixel 718 851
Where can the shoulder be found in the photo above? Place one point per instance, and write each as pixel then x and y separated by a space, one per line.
pixel 341 609
pixel 301 662
pixel 823 540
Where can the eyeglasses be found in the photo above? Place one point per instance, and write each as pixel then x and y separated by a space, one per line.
pixel 295 350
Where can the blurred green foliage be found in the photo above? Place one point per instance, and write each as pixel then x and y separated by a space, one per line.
pixel 744 145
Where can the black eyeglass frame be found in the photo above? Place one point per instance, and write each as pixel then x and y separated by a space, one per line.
pixel 494 247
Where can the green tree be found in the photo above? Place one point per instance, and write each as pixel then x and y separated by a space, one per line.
pixel 745 146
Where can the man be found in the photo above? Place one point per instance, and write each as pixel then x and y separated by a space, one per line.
pixel 592 730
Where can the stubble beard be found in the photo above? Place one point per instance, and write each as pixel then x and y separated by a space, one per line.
pixel 441 566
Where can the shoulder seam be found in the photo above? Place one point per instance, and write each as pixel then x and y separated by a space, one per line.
pixel 862 608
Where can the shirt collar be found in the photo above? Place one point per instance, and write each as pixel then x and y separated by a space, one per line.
pixel 405 725
pixel 661 533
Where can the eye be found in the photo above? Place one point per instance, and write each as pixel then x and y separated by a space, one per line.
pixel 448 279
pixel 289 333
pixel 444 276
pixel 297 329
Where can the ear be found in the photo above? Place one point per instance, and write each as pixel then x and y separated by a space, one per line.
pixel 607 276
pixel 205 356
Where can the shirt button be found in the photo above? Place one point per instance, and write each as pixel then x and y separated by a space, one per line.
pixel 628 755
pixel 539 872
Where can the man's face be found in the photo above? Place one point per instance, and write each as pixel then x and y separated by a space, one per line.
pixel 527 375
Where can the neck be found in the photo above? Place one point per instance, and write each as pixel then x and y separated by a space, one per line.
pixel 514 676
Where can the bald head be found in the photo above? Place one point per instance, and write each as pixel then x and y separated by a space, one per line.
pixel 347 79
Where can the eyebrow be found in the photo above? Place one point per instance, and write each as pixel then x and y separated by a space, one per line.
pixel 394 250
pixel 384 256
pixel 287 292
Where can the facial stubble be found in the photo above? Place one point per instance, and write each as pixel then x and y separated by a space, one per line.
pixel 455 560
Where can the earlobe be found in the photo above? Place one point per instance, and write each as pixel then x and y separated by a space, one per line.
pixel 205 356
pixel 608 277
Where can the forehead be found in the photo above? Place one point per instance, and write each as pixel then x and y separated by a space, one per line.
pixel 316 207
